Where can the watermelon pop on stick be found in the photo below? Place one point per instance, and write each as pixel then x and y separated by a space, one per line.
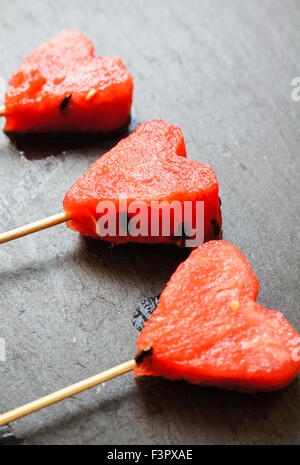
pixel 63 87
pixel 150 169
pixel 207 329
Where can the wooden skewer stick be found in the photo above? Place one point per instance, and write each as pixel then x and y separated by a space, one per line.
pixel 34 227
pixel 2 111
pixel 69 391
pixel 66 392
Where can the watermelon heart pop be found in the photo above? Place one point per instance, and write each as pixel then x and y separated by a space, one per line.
pixel 207 329
pixel 63 87
pixel 149 165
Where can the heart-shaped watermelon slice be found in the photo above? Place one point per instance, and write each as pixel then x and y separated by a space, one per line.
pixel 148 166
pixel 208 328
pixel 62 86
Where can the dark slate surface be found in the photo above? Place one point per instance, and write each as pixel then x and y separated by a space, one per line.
pixel 222 71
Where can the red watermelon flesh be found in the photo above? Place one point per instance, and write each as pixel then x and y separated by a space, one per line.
pixel 208 328
pixel 63 86
pixel 149 165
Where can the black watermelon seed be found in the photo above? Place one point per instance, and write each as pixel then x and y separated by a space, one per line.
pixel 216 226
pixel 143 354
pixel 65 102
pixel 181 231
pixel 123 221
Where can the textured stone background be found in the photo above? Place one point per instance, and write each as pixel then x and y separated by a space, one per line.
pixel 222 71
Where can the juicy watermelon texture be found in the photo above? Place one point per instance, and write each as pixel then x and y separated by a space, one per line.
pixel 63 66
pixel 148 165
pixel 208 328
